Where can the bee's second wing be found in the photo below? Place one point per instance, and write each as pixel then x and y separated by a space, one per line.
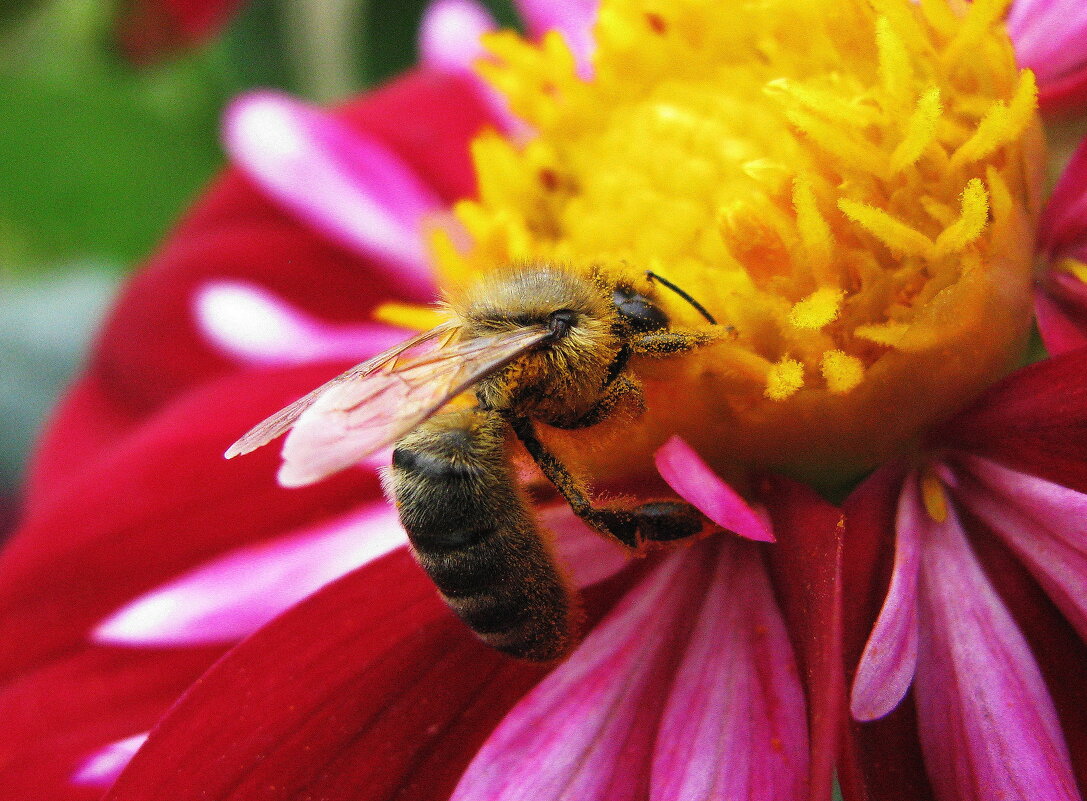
pixel 354 419
pixel 267 430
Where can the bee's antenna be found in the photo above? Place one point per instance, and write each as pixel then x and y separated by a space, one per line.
pixel 652 276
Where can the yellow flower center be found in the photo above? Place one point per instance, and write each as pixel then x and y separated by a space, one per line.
pixel 850 184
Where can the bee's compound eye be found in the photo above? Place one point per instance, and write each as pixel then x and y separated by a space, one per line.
pixel 638 310
pixel 560 322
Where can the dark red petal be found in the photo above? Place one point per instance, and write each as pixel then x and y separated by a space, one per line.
pixel 1064 223
pixel 806 563
pixel 369 689
pixel 150 348
pixel 1035 421
pixel 887 750
pixel 1065 96
pixel 56 717
pixel 157 503
pixel 149 30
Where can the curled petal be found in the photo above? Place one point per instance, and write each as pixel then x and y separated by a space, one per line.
pixel 696 483
pixel 572 18
pixel 449 34
pixel 338 180
pixel 616 721
pixel 1060 308
pixel 257 328
pixel 887 666
pixel 237 593
pixel 1044 523
pixel 987 723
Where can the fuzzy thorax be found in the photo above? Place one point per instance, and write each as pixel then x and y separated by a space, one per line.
pixel 850 184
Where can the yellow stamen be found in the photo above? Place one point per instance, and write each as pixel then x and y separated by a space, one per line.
pixel 933 496
pixel 785 379
pixel 900 237
pixel 841 371
pixel 818 309
pixel 417 318
pixel 975 214
pixel 920 130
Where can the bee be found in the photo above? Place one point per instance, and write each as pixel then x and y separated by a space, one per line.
pixel 535 343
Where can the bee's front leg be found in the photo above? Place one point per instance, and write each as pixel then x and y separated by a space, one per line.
pixel 671 341
pixel 654 522
pixel 624 396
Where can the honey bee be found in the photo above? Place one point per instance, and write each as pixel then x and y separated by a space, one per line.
pixel 535 343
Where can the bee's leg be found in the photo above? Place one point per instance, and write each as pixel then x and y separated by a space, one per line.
pixel 623 396
pixel 659 521
pixel 670 341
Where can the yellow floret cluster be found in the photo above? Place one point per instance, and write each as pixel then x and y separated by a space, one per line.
pixel 850 184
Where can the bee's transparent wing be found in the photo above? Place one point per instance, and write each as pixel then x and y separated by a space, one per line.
pixel 267 430
pixel 354 418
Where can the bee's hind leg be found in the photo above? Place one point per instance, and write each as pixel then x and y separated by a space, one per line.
pixel 654 522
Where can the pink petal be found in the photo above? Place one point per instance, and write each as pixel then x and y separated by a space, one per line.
pixel 257 328
pixel 1064 221
pixel 589 557
pixel 734 726
pixel 572 18
pixel 589 730
pixel 1044 523
pixel 1050 36
pixel 695 482
pixel 336 179
pixel 1062 320
pixel 887 666
pixel 237 593
pixel 449 34
pixel 988 726
pixel 103 767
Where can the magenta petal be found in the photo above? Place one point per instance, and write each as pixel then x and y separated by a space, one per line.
pixel 988 726
pixel 237 593
pixel 572 18
pixel 697 484
pixel 1044 523
pixel 1064 222
pixel 1050 36
pixel 257 328
pixel 1061 314
pixel 587 731
pixel 734 726
pixel 887 666
pixel 338 180
pixel 449 34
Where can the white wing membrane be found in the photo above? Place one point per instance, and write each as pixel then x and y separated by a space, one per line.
pixel 267 430
pixel 366 410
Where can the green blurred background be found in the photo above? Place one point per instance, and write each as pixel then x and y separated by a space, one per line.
pixel 98 156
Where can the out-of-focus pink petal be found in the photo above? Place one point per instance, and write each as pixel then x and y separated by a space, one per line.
pixel 1060 308
pixel 590 729
pixel 734 726
pixel 987 723
pixel 237 593
pixel 887 666
pixel 696 483
pixel 103 767
pixel 337 180
pixel 449 34
pixel 257 328
pixel 572 18
pixel 1064 224
pixel 1044 523
pixel 1050 38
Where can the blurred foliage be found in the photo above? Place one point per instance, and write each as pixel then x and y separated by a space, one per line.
pixel 98 158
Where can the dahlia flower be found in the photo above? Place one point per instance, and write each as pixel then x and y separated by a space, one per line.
pixel 856 188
